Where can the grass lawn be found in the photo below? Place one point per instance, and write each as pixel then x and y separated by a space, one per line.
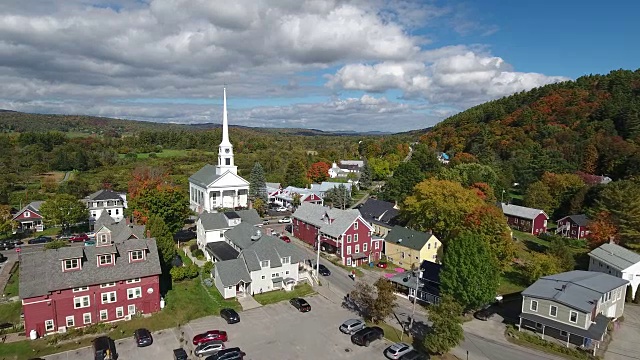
pixel 273 297
pixel 10 312
pixel 392 333
pixel 11 289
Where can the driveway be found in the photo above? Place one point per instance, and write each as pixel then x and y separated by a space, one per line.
pixel 624 343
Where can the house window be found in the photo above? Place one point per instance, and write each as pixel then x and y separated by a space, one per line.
pixel 134 293
pixel 573 317
pixel 117 211
pixel 428 246
pixel 137 255
pixel 538 325
pixel 355 237
pixel 80 289
pixel 286 272
pixel 104 259
pixel 104 315
pixel 221 235
pixel 71 264
pixel 81 302
pixel 106 285
pixel 103 238
pixel 109 297
pixel 563 333
pixel 27 214
pixel 534 305
pixel 71 321
pixel 49 325
pixel 364 247
pixel 357 248
pixel 133 281
pixel 348 261
pixel 286 260
pixel 264 263
pixel 86 318
pixel 619 294
pixel 275 275
pixel 355 225
pixel 402 255
pixel 119 312
pixel 377 245
pixel 263 277
pixel 348 250
pixel 131 309
pixel 348 238
pixel 553 311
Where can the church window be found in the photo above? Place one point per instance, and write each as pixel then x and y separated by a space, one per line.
pixel 227 161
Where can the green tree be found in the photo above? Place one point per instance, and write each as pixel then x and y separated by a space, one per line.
pixel 426 158
pixel 469 174
pixel 164 239
pixel 5 219
pixel 296 173
pixel 363 297
pixel 538 196
pixel 621 199
pixel 257 183
pixel 380 169
pixel 260 206
pixel 559 247
pixel 56 244
pixel 470 273
pixel 541 265
pixel 385 300
pixel 489 222
pixel 446 331
pixel 405 177
pixel 63 210
pixel 339 196
pixel 366 176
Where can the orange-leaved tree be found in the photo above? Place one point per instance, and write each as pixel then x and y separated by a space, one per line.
pixel 318 171
pixel 601 230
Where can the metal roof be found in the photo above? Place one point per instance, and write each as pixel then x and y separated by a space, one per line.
pixel 521 211
pixel 615 256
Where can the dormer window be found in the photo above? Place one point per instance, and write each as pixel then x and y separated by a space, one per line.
pixel 136 255
pixel 264 263
pixel 70 264
pixel 286 260
pixel 104 239
pixel 106 259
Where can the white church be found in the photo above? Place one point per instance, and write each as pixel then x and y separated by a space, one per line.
pixel 215 187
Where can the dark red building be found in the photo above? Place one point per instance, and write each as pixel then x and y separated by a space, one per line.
pixel 529 220
pixel 344 232
pixel 29 218
pixel 77 286
pixel 573 226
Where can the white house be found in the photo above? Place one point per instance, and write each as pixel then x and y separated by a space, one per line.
pixel 615 260
pixel 264 263
pixel 111 202
pixel 211 227
pixel 214 187
pixel 322 188
pixel 285 196
pixel 344 167
pixel 273 189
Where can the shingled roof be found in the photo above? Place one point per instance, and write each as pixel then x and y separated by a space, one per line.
pixel 317 215
pixel 104 194
pixel 40 271
pixel 580 220
pixel 616 256
pixel 379 212
pixel 205 176
pixel 218 221
pixel 411 239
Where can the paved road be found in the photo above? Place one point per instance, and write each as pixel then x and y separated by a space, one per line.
pixel 624 345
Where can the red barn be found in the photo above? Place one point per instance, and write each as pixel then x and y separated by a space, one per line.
pixel 573 226
pixel 344 232
pixel 77 286
pixel 529 220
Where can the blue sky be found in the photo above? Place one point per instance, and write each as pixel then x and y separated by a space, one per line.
pixel 364 65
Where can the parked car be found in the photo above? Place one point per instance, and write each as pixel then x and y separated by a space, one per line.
pixel 209 348
pixel 16 242
pixel 367 335
pixel 40 240
pixel 265 221
pixel 143 337
pixel 413 355
pixel 324 271
pixel 210 335
pixel 6 245
pixel 396 350
pixel 233 353
pixel 485 313
pixel 79 238
pixel 63 236
pixel 104 348
pixel 285 238
pixel 282 209
pixel 382 265
pixel 3 258
pixel 230 315
pixel 180 354
pixel 352 326
pixel 301 304
pixel 90 243
pixel 91 235
pixel 285 220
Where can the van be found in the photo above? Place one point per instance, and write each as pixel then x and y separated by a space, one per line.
pixel 104 348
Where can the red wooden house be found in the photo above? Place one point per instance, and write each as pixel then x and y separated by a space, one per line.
pixel 78 286
pixel 529 220
pixel 29 218
pixel 573 226
pixel 344 232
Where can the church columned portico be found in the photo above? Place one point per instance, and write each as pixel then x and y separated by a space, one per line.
pixel 228 199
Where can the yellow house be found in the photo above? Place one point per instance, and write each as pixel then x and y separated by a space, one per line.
pixel 408 248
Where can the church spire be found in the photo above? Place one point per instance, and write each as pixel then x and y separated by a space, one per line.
pixel 225 150
pixel 225 122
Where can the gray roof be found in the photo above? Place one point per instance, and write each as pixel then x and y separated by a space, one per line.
pixel 218 221
pixel 379 212
pixel 231 272
pixel 412 239
pixel 615 256
pixel 204 176
pixel 271 185
pixel 120 231
pixel 272 249
pixel 40 271
pixel 328 185
pixel 249 216
pixel 104 194
pixel 521 211
pixel 576 289
pixel 33 206
pixel 316 214
pixel 70 252
pixel 580 220
pixel 241 235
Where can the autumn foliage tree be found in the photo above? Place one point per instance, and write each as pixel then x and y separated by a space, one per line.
pixel 489 222
pixel 318 171
pixel 601 230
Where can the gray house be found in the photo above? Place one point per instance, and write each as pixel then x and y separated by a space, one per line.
pixel 574 307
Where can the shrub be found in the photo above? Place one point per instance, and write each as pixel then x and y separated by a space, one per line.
pixel 523 336
pixel 636 300
pixel 193 247
pixel 198 254
pixel 177 273
pixel 207 267
pixel 153 155
pixel 56 244
pixel 191 271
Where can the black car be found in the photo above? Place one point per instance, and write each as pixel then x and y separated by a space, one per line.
pixel 413 355
pixel 301 304
pixel 40 240
pixel 367 335
pixel 233 353
pixel 7 245
pixel 16 242
pixel 485 313
pixel 3 258
pixel 230 315
pixel 323 270
pixel 143 337
pixel 180 354
pixel 104 348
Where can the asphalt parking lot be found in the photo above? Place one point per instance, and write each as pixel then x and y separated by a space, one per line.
pixel 273 332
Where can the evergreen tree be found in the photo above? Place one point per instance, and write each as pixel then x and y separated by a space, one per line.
pixel 470 273
pixel 446 332
pixel 296 174
pixel 164 240
pixel 366 176
pixel 339 196
pixel 257 183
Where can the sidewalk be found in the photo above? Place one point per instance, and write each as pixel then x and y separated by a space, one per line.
pixel 200 263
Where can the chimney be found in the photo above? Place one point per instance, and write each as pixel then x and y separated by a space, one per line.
pixel 612 240
pixel 148 233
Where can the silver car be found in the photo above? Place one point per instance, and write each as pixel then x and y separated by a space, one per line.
pixel 352 326
pixel 209 348
pixel 396 350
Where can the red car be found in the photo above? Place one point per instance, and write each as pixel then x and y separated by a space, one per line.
pixel 285 238
pixel 210 335
pixel 382 265
pixel 79 238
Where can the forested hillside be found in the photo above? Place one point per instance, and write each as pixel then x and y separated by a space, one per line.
pixel 590 125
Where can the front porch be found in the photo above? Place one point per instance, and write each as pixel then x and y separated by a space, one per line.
pixel 228 198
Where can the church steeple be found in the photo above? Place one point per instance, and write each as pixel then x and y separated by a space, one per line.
pixel 225 150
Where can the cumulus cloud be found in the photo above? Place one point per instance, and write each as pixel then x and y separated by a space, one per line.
pixel 95 56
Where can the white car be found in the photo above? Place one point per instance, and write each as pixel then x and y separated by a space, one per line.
pixel 396 350
pixel 285 220
pixel 282 209
pixel 91 235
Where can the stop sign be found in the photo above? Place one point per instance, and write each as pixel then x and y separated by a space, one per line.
pixel 18 250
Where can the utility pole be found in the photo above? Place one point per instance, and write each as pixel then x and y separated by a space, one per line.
pixel 413 309
pixel 318 259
